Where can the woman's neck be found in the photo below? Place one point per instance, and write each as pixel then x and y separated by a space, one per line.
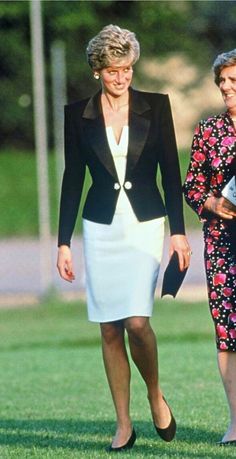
pixel 115 103
pixel 232 114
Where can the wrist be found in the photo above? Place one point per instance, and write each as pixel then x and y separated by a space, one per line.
pixel 63 247
pixel 208 205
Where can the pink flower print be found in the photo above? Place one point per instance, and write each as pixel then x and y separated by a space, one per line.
pixel 220 262
pixel 189 177
pixel 212 153
pixel 215 312
pixel 229 159
pixel 215 233
pixel 197 129
pixel 216 162
pixel 232 334
pixel 207 133
pixel 219 279
pixel 219 124
pixel 212 141
pixel 201 188
pixel 212 224
pixel 201 143
pixel 223 150
pixel 200 209
pixel 213 181
pixel 226 304
pixel 232 317
pixel 201 178
pixel 227 291
pixel 223 249
pixel 221 331
pixel 197 196
pixel 223 346
pixel 232 269
pixel 210 248
pixel 228 141
pixel 219 178
pixel 208 264
pixel 199 157
pixel 213 295
pixel 194 164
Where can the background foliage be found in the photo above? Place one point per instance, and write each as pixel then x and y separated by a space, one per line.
pixel 198 29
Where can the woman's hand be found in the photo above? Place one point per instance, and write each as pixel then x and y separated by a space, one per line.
pixel 179 244
pixel 64 263
pixel 221 207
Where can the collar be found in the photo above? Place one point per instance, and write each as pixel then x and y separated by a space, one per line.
pixel 137 104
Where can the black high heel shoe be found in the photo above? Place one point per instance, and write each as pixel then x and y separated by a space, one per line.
pixel 126 446
pixel 169 432
pixel 227 443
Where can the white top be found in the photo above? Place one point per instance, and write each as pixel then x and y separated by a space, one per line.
pixel 119 153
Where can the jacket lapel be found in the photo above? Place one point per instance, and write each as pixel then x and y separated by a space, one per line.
pixel 95 132
pixel 139 126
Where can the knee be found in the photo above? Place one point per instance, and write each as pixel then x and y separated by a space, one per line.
pixel 137 329
pixel 111 332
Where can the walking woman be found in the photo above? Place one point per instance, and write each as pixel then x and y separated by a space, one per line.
pixel 122 135
pixel 212 166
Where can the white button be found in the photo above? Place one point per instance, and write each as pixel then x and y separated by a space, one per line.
pixel 128 185
pixel 116 186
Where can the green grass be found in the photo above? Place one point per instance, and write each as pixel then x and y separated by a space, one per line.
pixel 18 194
pixel 54 399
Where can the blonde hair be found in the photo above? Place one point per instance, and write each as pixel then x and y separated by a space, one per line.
pixel 112 43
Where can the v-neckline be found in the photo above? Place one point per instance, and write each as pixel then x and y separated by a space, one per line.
pixel 110 129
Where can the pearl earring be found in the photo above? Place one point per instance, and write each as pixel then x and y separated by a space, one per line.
pixel 96 76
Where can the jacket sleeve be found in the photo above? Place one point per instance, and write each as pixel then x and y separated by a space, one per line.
pixel 73 180
pixel 170 172
pixel 197 182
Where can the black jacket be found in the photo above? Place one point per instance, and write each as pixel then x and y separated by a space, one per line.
pixel 151 142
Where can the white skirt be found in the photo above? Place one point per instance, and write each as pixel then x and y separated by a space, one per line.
pixel 122 262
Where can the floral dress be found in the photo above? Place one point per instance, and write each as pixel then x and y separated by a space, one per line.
pixel 212 164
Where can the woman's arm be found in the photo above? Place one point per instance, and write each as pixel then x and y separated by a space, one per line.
pixel 170 171
pixel 73 180
pixel 72 185
pixel 197 182
pixel 171 182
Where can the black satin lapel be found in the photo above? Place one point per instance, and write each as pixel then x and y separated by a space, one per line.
pixel 96 136
pixel 138 132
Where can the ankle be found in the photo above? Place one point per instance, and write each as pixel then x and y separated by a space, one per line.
pixel 155 396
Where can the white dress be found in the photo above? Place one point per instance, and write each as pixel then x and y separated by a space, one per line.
pixel 122 260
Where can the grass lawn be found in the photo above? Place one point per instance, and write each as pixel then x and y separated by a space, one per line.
pixel 18 194
pixel 54 399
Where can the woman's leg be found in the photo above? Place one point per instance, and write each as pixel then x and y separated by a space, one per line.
pixel 143 348
pixel 118 374
pixel 227 367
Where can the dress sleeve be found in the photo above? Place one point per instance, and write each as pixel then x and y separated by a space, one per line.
pixel 197 182
pixel 73 180
pixel 170 172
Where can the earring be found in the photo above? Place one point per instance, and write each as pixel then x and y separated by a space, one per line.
pixel 96 76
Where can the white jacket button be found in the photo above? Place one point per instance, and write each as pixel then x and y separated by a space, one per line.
pixel 128 185
pixel 116 186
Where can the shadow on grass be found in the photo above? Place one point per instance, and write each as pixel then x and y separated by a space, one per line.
pixel 95 341
pixel 89 435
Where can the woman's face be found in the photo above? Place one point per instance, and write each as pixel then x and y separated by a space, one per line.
pixel 227 85
pixel 117 78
